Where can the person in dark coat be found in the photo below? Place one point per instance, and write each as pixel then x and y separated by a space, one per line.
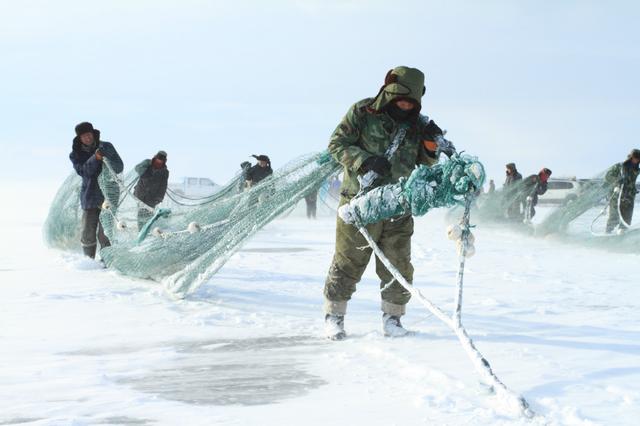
pixel 622 179
pixel 88 153
pixel 261 170
pixel 311 200
pixel 512 174
pixel 152 185
pixel 511 193
pixel 533 186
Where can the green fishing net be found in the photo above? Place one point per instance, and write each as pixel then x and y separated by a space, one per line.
pixel 187 240
pixel 444 185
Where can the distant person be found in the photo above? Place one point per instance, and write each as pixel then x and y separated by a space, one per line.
pixel 622 178
pixel 311 200
pixel 261 170
pixel 533 186
pixel 152 184
pixel 87 155
pixel 492 187
pixel 512 174
pixel 511 193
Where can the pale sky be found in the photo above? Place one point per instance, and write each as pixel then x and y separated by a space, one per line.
pixel 540 83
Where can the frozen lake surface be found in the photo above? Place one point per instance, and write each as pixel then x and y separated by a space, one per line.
pixel 81 345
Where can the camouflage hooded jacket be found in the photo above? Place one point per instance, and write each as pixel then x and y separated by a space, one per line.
pixel 624 174
pixel 367 130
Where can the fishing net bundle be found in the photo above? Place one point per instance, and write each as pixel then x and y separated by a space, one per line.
pixel 443 185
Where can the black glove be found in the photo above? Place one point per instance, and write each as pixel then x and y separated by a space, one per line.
pixel 445 146
pixel 432 130
pixel 378 164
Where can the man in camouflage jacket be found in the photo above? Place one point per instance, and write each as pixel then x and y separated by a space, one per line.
pixel 359 143
pixel 622 178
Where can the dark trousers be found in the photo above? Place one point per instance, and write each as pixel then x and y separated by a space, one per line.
pixel 92 228
pixel 312 208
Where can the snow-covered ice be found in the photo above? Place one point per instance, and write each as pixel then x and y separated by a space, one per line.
pixel 80 345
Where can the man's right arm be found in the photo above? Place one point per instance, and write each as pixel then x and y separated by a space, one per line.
pixel 343 145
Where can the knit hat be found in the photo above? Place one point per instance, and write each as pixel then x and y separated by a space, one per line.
pixel 84 127
pixel 635 153
pixel 161 155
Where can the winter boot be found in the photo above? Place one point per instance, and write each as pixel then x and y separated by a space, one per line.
pixel 334 327
pixel 392 327
pixel 89 251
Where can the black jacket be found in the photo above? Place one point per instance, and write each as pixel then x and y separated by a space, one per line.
pixel 534 186
pixel 256 173
pixel 152 185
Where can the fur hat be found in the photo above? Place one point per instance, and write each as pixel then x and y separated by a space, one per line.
pixel 262 157
pixel 84 127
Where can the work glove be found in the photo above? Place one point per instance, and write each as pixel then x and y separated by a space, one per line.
pixel 439 145
pixel 377 164
pixel 445 146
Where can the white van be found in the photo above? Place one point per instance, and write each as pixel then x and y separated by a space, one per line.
pixel 195 186
pixel 561 190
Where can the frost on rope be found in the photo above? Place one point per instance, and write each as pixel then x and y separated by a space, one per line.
pixel 189 245
pixel 453 182
pixel 443 185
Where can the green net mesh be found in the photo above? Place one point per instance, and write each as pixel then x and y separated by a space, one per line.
pixel 189 239
pixel 581 219
pixel 443 185
pixel 62 228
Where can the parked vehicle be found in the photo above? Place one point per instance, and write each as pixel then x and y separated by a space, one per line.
pixel 562 190
pixel 195 186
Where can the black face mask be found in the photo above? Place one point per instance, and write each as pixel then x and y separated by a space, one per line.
pixel 398 114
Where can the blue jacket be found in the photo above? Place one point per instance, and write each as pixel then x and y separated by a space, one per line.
pixel 89 168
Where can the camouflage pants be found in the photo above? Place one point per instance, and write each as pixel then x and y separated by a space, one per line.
pixel 352 255
pixel 626 209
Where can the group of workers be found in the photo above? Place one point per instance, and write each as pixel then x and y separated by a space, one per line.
pixel 87 156
pixel 385 135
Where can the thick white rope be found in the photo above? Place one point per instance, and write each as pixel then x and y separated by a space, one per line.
pixel 606 208
pixel 479 362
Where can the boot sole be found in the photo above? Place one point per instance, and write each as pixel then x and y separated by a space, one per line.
pixel 336 337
